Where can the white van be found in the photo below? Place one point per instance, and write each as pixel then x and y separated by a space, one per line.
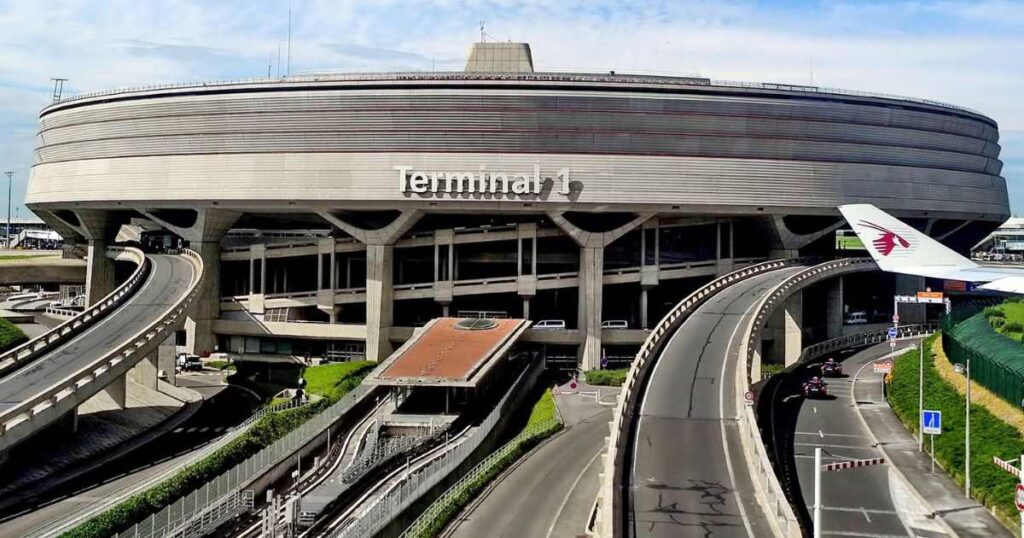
pixel 550 324
pixel 614 324
pixel 856 318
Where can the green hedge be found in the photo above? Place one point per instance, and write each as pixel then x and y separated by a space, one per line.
pixel 989 436
pixel 262 434
pixel 10 335
pixel 610 378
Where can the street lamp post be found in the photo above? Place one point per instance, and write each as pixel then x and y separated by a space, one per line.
pixel 10 182
pixel 967 436
pixel 920 399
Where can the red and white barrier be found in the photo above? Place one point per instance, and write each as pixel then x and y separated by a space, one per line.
pixel 841 465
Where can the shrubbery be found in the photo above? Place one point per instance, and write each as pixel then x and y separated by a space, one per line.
pixel 610 378
pixel 10 335
pixel 262 434
pixel 990 436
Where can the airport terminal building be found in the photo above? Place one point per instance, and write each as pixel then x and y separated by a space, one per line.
pixel 337 213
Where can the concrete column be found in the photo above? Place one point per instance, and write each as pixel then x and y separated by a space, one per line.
pixel 379 300
pixel 786 326
pixel 165 359
pixel 114 395
pixel 526 307
pixel 99 272
pixel 643 308
pixel 206 307
pixel 834 309
pixel 591 281
pixel 145 371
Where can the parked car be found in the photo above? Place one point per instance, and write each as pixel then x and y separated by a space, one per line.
pixel 550 324
pixel 614 324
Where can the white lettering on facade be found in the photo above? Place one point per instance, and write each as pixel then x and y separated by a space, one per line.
pixel 418 181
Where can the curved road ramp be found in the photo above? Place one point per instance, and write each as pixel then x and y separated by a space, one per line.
pixel 50 376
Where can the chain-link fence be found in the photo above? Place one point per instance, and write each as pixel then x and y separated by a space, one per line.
pixel 439 509
pixel 997 362
pixel 178 518
pixel 423 476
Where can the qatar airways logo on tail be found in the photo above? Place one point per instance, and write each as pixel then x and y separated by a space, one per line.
pixel 887 241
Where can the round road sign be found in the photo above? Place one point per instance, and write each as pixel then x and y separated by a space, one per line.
pixel 573 384
pixel 893 332
pixel 749 395
pixel 1019 497
pixel 895 318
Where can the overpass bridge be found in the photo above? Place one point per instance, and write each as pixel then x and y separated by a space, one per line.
pixel 42 270
pixel 48 377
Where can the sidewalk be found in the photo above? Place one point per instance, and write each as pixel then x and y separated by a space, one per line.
pixel 961 516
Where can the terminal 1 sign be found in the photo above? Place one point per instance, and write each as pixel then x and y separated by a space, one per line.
pixel 482 182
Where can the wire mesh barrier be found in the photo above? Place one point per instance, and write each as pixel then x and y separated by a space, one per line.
pixel 997 361
pixel 440 508
pixel 422 476
pixel 379 449
pixel 183 513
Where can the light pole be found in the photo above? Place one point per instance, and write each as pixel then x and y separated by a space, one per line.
pixel 817 493
pixel 967 436
pixel 920 399
pixel 10 182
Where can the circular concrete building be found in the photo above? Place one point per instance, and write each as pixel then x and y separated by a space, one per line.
pixel 371 203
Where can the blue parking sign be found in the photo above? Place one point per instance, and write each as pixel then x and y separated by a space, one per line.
pixel 931 422
pixel 893 331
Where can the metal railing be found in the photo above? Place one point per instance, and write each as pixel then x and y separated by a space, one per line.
pixel 65 394
pixel 186 510
pixel 610 494
pixel 864 339
pixel 439 506
pixel 426 476
pixel 17 357
pixel 566 77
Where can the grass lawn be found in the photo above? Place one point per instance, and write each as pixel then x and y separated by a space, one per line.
pixel 10 335
pixel 990 436
pixel 543 410
pixel 14 257
pixel 1007 318
pixel 334 379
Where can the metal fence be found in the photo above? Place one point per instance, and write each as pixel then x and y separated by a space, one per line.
pixel 420 480
pixel 437 509
pixel 864 339
pixel 997 362
pixel 180 516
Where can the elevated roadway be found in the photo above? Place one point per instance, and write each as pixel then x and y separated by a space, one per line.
pixel 49 269
pixel 687 476
pixel 41 390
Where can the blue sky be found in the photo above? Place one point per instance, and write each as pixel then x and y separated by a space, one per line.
pixel 964 52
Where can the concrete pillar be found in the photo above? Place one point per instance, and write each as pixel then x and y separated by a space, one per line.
pixel 165 359
pixel 834 309
pixel 145 371
pixel 114 395
pixel 643 308
pixel 526 307
pixel 591 282
pixel 99 272
pixel 379 300
pixel 206 307
pixel 786 326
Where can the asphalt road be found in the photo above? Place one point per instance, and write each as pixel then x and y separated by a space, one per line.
pixel 550 492
pixel 688 476
pixel 223 408
pixel 167 281
pixel 855 500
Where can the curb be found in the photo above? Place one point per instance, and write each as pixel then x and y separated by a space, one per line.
pixel 885 453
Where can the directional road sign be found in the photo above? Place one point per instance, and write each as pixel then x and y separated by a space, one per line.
pixel 1019 497
pixel 931 422
pixel 893 332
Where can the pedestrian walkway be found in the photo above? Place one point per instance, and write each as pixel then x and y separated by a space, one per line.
pixel 959 515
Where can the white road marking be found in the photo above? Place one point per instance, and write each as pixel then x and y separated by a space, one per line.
pixel 865 512
pixel 568 494
pixel 821 434
pixel 815 409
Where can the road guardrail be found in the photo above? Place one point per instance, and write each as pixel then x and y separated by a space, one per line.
pixel 29 351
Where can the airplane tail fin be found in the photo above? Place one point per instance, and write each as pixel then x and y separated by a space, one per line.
pixel 898 247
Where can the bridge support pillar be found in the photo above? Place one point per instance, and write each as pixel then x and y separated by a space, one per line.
pixel 145 371
pixel 591 291
pixel 910 285
pixel 834 309
pixel 379 300
pixel 206 308
pixel 99 272
pixel 114 395
pixel 786 324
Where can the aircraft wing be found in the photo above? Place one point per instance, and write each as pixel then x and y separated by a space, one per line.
pixel 899 248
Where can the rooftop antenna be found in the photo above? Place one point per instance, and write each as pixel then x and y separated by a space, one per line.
pixel 279 60
pixel 482 32
pixel 58 88
pixel 811 61
pixel 270 63
pixel 288 65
